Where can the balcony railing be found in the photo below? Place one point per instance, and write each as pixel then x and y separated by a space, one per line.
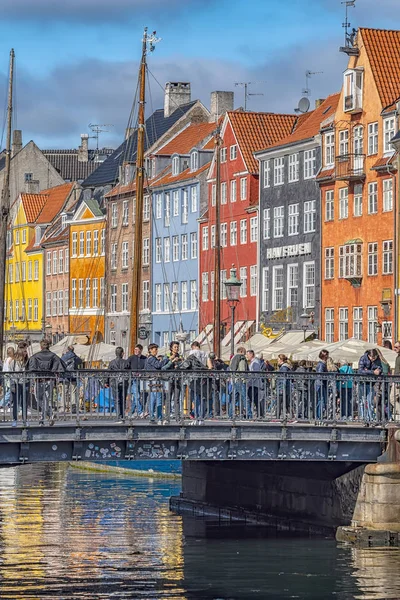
pixel 350 167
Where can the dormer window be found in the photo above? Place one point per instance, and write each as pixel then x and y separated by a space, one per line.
pixel 63 221
pixel 353 88
pixel 38 235
pixel 194 161
pixel 389 129
pixel 175 166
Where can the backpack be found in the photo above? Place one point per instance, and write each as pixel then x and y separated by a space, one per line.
pixel 191 363
pixel 70 363
pixel 44 363
pixel 242 365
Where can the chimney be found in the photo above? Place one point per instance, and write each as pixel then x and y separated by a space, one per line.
pixel 16 142
pixel 32 186
pixel 319 101
pixel 83 152
pixel 220 103
pixel 176 94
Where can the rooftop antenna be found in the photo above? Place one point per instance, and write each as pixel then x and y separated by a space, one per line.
pixel 97 129
pixel 247 94
pixel 349 36
pixel 307 91
pixel 304 102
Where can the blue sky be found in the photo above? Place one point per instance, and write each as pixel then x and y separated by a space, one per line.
pixel 77 59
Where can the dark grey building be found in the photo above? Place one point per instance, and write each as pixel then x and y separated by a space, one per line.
pixel 289 225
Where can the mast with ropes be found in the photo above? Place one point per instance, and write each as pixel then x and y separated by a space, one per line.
pixel 217 249
pixel 5 202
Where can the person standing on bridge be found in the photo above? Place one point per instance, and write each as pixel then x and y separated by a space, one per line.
pixel 321 385
pixel 136 363
pixel 238 365
pixel 19 385
pixel 253 386
pixel 155 385
pixel 119 381
pixel 370 365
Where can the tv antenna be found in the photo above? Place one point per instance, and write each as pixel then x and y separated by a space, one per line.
pixel 307 91
pixel 304 102
pixel 349 38
pixel 97 129
pixel 247 94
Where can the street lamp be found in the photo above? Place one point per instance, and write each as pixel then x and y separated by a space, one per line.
pixel 232 294
pixel 305 317
pixel 182 337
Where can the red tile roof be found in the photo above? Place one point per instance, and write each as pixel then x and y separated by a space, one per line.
pixel 56 198
pixel 184 176
pixel 255 131
pixel 187 139
pixel 33 204
pixel 326 174
pixel 383 50
pixel 384 161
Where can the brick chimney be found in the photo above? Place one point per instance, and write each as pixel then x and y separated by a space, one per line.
pixel 319 101
pixel 220 103
pixel 83 152
pixel 16 142
pixel 176 94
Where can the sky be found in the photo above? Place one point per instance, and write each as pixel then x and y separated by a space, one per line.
pixel 77 60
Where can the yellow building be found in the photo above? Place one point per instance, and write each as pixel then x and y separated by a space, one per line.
pixel 24 298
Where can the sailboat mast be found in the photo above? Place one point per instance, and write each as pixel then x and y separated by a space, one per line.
pixel 217 250
pixel 5 203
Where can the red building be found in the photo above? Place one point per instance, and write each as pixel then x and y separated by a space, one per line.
pixel 242 133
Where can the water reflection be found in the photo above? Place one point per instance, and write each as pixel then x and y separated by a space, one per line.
pixel 75 535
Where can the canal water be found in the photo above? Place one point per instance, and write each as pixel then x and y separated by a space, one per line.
pixel 71 534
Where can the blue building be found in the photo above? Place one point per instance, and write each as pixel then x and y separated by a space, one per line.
pixel 178 198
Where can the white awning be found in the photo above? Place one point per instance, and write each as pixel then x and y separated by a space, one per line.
pixel 204 334
pixel 243 330
pixel 227 339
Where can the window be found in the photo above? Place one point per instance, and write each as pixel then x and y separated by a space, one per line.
pixel 175 248
pixel 36 309
pixel 88 243
pixel 167 248
pixel 61 261
pixel 350 260
pixel 329 149
pixel 124 296
pixel 224 192
pixel 193 294
pixel 95 293
pixel 310 163
pixel 266 223
pixel 267 173
pixel 233 190
pixel 193 199
pixel 158 250
pixel 146 208
pixel 17 237
pixel 233 233
pixel 243 279
pixel 329 263
pixel 17 310
pixel 102 292
pixel 387 330
pixel 114 255
pixel 55 304
pixel 309 285
pixel 48 263
pixel 81 243
pixel 222 287
pixel 253 229
pixel 372 324
pixel 10 314
pixel 293 285
pixel 279 164
pixel 80 298
pixel 16 272
pixel 310 216
pixel 66 302
pixel 253 280
pixel 184 244
pixel 233 152
pixel 146 251
pixel 372 139
pixel 243 188
pixel 185 206
pixel 389 128
pixel 95 242
pixel 357 205
pixel 243 231
pixel 158 206
pixel 204 287
pixel 279 215
pixel 212 286
pixel 265 290
pixel 353 84
pixel 175 166
pixel 224 235
pixel 30 309
pixel 48 304
pixel 372 198
pixel 184 294
pixel 193 245
pixel 373 258
pixel 175 203
pixel 114 215
pixel 213 194
pixel 73 296
pixel 224 154
pixel 277 288
pixel 387 195
pixel 167 210
pixel 343 324
pixel 343 142
pixel 29 270
pixel 329 325
pixel 387 260
pixel 343 203
pixel 74 243
pixel 293 168
pixel 125 255
pixel 55 262
pixel 158 297
pixel 358 140
pixel 23 271
pixel 36 270
pixel 205 238
pixel 212 236
pixel 103 241
pixel 87 294
pixel 28 177
pixel 166 298
pixel 113 297
pixel 357 322
pixel 194 161
pixel 125 213
pixel 329 205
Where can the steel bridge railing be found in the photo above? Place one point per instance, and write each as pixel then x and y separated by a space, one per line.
pixel 178 396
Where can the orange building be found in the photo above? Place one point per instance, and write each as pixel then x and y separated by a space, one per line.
pixel 87 271
pixel 358 183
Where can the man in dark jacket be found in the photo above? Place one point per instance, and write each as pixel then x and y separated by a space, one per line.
pixel 155 385
pixel 238 396
pixel 321 385
pixel 370 365
pixel 136 363
pixel 174 359
pixel 119 382
pixel 72 363
pixel 45 364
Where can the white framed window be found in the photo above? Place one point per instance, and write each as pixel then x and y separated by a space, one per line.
pixel 113 298
pixel 253 280
pixel 233 233
pixel 54 306
pixel 48 263
pixel 124 297
pixel 267 173
pixel 387 330
pixel 212 236
pixel 266 223
pixel 125 255
pixel 23 236
pixel 343 142
pixel 357 200
pixel 373 258
pixel 74 243
pixel 373 129
pixel 17 310
pixel 353 86
pixel 114 255
pixel 102 292
pixel 185 206
pixel 329 263
pixel 330 325
pixel 292 285
pixel 146 251
pixel 95 242
pixel 343 203
pixel 29 270
pixel 204 287
pixel 73 293
pixel 55 262
pixel 243 188
pixel 293 167
pixel 357 322
pixel 125 213
pixel 158 250
pixel 30 308
pixel 194 161
pixel 309 285
pixel 95 292
pixel 184 295
pixel 253 229
pixel 389 130
pixel 167 303
pixel 16 272
pixel 372 198
pixel 175 203
pixel 350 260
pixel 23 271
pixel 358 140
pixel 213 194
pixel 372 324
pixel 167 210
pixel 175 166
pixel 277 288
pixel 387 194
pixel 88 243
pixel 243 279
pixel 204 238
pixel 310 216
pixel 224 235
pixel 184 246
pixel 387 257
pixel 48 303
pixel 158 206
pixel 329 139
pixel 114 215
pixel 224 198
pixel 193 199
pixel 193 294
pixel 279 167
pixel 343 324
pixel 35 309
pixel 66 303
pixel 36 270
pixel 87 293
pixel 81 243
pixel 167 249
pixel 233 190
pixel 146 295
pixel 61 261
pixel 233 152
pixel 310 163
pixel 175 248
pixel 158 297
pixel 265 290
pixel 81 293
pixel 10 313
pixel 146 208
pixel 193 245
pixel 243 231
pixel 279 218
pixel 224 154
pixel 329 205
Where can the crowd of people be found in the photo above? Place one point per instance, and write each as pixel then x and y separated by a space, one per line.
pixel 200 385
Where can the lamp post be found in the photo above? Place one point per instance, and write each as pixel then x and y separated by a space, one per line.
pixel 182 337
pixel 305 317
pixel 232 295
